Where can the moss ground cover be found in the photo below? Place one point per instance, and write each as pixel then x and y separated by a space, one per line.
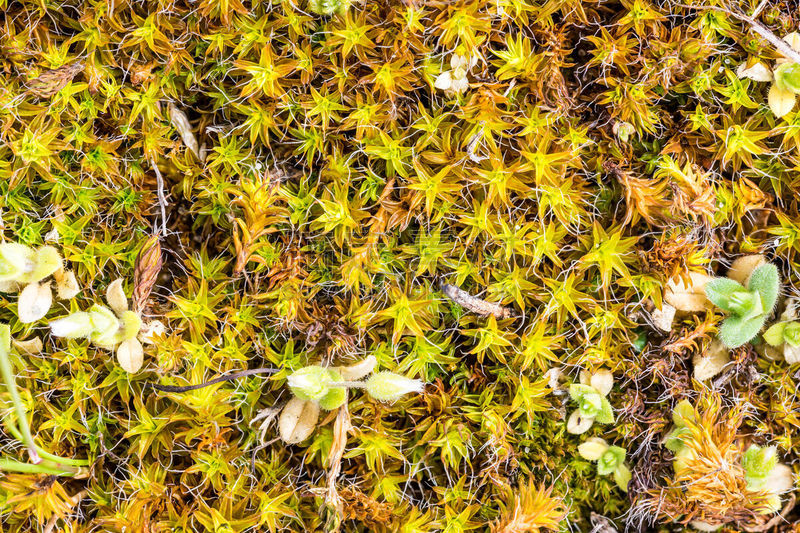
pixel 399 266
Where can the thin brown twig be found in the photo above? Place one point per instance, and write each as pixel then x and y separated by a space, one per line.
pixel 229 377
pixel 759 8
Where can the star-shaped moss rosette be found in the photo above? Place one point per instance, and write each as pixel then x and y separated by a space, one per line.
pixel 113 328
pixel 25 270
pixel 747 306
pixel 610 460
pixel 593 406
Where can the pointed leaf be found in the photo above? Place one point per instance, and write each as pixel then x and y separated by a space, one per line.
pixel 734 331
pixel 606 414
pixel 719 290
pixel 766 281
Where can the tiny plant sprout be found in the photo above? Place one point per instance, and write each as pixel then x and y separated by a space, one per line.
pixel 786 335
pixel 455 80
pixel 25 269
pixel 610 460
pixel 748 307
pixel 112 328
pixel 785 78
pixel 762 472
pixel 593 406
pixel 316 387
pixel 623 130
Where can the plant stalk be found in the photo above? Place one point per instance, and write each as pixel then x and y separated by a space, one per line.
pixel 10 381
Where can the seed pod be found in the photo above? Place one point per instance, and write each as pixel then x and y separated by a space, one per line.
pixel 116 298
pixel 663 318
pixel 51 81
pixel 473 303
pixel 130 355
pixel 181 123
pixel 389 387
pixel 34 302
pixel 32 346
pixel 149 331
pixel 710 363
pixel 298 420
pixel 145 273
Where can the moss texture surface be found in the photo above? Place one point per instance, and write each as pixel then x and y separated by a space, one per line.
pixel 326 170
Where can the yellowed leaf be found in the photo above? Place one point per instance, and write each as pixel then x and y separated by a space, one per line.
pixel 298 420
pixel 780 100
pixel 688 297
pixel 742 267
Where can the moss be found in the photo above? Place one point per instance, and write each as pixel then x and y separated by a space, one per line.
pixel 318 199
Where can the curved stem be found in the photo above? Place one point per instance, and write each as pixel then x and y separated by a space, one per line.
pixel 44 454
pixel 9 379
pixel 11 465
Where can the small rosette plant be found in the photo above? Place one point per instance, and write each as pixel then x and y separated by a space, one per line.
pixel 455 80
pixel 786 335
pixel 26 270
pixel 316 387
pixel 762 472
pixel 112 328
pixel 683 413
pixel 593 406
pixel 610 460
pixel 747 307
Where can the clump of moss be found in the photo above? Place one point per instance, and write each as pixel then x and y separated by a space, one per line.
pixel 485 197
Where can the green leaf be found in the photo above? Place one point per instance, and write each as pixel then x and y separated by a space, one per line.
pixel 578 391
pixel 719 291
pixel 622 476
pixel 682 412
pixel 774 335
pixel 334 399
pixel 611 459
pixel 787 76
pixel 792 334
pixel 758 462
pixel 767 283
pixel 606 413
pixel 736 331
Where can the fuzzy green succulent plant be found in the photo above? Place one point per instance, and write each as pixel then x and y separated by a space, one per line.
pixel 593 405
pixel 610 460
pixel 748 307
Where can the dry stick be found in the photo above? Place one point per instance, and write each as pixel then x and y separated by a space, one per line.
pixel 473 303
pixel 229 377
pixel 782 46
pixel 162 199
pixel 759 8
